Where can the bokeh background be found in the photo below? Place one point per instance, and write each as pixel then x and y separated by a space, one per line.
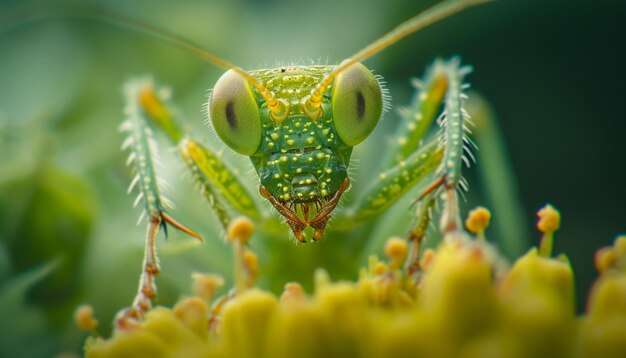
pixel 552 71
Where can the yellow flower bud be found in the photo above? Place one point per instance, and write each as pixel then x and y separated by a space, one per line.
pixel 194 313
pixel 549 219
pixel 380 268
pixel 605 259
pixel 396 250
pixel 549 222
pixel 83 317
pixel 240 229
pixel 244 323
pixel 293 293
pixel 205 285
pixel 478 220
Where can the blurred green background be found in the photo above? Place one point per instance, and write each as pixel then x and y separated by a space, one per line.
pixel 551 70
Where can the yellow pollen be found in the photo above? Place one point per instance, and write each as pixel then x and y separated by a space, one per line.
pixel 478 220
pixel 549 219
pixel 240 229
pixel 83 317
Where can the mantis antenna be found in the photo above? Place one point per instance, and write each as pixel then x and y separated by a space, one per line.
pixel 312 105
pixel 277 108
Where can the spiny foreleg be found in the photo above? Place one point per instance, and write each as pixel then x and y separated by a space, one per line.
pixel 393 183
pixel 218 183
pixel 457 146
pixel 143 158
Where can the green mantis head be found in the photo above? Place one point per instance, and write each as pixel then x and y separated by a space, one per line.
pixel 301 156
pixel 298 124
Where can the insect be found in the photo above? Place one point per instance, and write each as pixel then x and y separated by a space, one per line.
pixel 299 125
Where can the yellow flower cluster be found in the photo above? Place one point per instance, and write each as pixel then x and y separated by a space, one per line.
pixel 465 301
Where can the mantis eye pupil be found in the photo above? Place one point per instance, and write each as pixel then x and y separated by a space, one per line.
pixel 360 105
pixel 231 118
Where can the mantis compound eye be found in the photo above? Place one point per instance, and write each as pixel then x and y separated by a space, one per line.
pixel 234 113
pixel 357 104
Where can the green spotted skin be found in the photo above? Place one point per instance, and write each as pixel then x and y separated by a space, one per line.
pixel 299 160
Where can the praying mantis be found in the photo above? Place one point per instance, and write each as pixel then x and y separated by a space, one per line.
pixel 299 125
